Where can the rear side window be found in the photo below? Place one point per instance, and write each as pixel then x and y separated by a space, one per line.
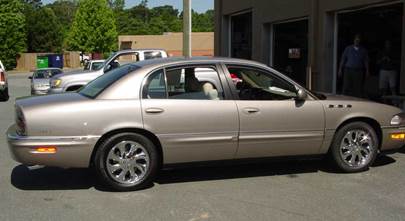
pixel 94 88
pixel 188 83
pixel 155 87
pixel 152 54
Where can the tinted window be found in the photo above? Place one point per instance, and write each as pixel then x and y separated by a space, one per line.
pixel 155 87
pixel 254 84
pixel 94 88
pixel 152 54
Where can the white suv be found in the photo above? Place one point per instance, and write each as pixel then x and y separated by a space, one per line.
pixel 75 80
pixel 3 84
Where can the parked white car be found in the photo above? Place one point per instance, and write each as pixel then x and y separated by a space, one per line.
pixel 4 96
pixel 73 81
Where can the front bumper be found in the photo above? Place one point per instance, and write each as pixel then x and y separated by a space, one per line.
pixel 72 152
pixel 387 143
pixel 55 91
pixel 39 92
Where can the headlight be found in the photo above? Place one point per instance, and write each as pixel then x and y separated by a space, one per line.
pixel 56 83
pixel 398 120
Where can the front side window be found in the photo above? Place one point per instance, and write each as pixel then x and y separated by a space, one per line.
pixel 254 84
pixel 122 59
pixel 190 83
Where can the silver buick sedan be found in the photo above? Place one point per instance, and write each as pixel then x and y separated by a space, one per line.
pixel 130 122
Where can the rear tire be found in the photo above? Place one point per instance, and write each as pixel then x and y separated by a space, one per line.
pixel 354 147
pixel 127 162
pixel 4 96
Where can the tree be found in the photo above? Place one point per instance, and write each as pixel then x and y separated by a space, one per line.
pixel 93 28
pixel 44 31
pixel 12 31
pixel 116 5
pixel 64 10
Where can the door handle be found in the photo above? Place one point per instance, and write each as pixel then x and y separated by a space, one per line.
pixel 251 110
pixel 154 110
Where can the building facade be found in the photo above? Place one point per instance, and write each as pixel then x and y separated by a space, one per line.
pixel 202 42
pixel 306 38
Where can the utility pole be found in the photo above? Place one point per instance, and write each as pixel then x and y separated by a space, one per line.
pixel 187 28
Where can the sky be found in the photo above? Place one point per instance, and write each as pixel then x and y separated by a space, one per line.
pixel 198 5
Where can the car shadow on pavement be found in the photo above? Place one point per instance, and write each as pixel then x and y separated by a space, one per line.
pixel 48 178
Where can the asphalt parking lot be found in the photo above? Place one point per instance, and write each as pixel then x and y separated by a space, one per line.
pixel 293 190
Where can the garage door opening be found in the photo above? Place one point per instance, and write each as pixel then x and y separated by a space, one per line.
pixel 376 25
pixel 290 51
pixel 241 36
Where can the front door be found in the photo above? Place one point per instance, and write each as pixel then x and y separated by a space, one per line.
pixel 272 121
pixel 187 109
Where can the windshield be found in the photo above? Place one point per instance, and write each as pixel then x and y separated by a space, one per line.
pixel 97 65
pixel 94 88
pixel 42 74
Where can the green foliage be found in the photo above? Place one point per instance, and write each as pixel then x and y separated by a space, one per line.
pixel 93 28
pixel 64 11
pixel 140 20
pixel 44 31
pixel 12 31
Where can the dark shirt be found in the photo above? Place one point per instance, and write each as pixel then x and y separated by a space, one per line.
pixel 355 58
pixel 387 62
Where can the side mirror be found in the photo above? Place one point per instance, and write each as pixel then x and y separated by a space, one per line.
pixel 301 95
pixel 30 77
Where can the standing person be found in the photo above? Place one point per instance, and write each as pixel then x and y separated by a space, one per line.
pixel 388 73
pixel 353 66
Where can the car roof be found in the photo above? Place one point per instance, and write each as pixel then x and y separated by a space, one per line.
pixel 97 60
pixel 140 49
pixel 192 60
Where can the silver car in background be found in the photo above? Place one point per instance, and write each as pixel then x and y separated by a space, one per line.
pixel 4 96
pixel 130 122
pixel 40 80
pixel 74 81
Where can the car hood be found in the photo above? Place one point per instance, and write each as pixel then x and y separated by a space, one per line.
pixel 74 73
pixel 47 100
pixel 337 97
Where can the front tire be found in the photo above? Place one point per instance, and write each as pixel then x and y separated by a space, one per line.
pixel 4 96
pixel 354 147
pixel 127 162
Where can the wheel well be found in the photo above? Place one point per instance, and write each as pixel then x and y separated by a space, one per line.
pixel 373 123
pixel 74 88
pixel 149 135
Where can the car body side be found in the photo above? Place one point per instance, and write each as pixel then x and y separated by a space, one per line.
pixel 79 124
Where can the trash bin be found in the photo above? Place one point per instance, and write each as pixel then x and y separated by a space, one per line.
pixel 42 62
pixel 55 61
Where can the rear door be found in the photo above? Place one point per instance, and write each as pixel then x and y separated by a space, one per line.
pixel 272 121
pixel 194 119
